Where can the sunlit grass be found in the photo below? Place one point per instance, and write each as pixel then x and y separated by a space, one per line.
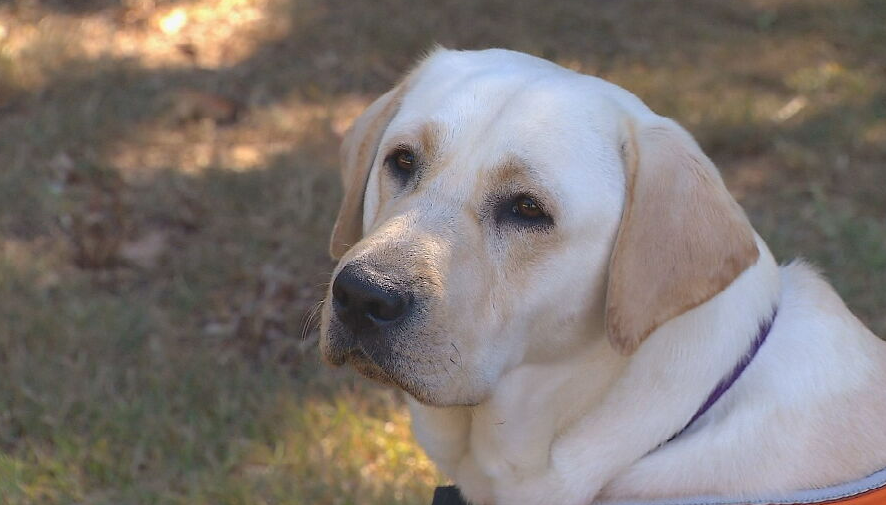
pixel 100 408
pixel 339 452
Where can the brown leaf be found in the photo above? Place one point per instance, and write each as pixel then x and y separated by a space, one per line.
pixel 144 251
pixel 193 105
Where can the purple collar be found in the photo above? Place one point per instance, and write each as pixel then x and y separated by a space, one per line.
pixel 730 379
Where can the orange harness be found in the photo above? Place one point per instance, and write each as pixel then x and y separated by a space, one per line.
pixel 872 497
pixel 865 496
pixel 868 491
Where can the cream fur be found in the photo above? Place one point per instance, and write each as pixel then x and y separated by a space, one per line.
pixel 535 406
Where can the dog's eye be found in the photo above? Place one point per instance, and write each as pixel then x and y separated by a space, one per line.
pixel 526 208
pixel 524 211
pixel 402 160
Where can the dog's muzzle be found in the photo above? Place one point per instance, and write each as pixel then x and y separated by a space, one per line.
pixel 371 307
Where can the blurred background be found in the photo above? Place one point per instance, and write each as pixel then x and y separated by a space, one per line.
pixel 168 181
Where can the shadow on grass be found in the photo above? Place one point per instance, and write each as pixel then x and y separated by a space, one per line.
pixel 336 47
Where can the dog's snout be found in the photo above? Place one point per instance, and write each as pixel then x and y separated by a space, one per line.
pixel 363 301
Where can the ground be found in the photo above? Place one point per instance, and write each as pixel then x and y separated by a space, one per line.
pixel 168 181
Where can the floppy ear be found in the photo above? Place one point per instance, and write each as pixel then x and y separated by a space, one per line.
pixel 682 239
pixel 358 151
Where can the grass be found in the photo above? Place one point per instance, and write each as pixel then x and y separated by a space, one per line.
pixel 168 184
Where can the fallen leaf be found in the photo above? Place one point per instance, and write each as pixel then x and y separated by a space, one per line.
pixel 145 250
pixel 194 105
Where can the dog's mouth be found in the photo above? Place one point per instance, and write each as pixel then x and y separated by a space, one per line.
pixel 374 360
pixel 368 368
pixel 365 366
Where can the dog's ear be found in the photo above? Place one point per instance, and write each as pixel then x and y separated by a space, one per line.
pixel 682 239
pixel 357 154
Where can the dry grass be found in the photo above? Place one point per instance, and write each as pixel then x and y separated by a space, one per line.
pixel 168 184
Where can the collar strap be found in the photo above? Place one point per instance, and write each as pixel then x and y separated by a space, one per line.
pixel 727 382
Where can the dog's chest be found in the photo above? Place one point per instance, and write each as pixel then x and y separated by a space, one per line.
pixel 511 433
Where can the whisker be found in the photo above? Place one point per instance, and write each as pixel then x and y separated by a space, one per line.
pixel 310 320
pixel 460 362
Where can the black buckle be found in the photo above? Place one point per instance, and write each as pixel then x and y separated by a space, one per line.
pixel 448 495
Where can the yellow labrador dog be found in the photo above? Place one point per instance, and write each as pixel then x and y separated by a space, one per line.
pixel 577 307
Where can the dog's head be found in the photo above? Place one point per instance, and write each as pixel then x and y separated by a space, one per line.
pixel 495 204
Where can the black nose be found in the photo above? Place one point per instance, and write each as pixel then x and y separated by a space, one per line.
pixel 365 300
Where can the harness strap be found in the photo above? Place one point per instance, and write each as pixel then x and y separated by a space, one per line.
pixel 449 495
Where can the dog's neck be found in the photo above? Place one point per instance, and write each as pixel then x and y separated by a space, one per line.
pixel 708 342
pixel 671 374
pixel 728 380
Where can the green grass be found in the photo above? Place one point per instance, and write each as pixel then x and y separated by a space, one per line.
pixel 104 401
pixel 158 261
